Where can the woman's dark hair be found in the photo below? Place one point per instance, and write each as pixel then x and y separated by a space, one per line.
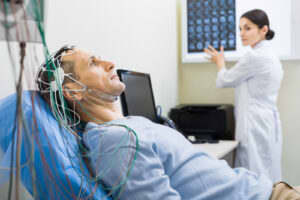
pixel 260 18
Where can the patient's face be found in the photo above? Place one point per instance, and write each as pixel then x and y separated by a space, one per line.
pixel 96 73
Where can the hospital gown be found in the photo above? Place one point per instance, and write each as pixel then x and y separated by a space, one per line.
pixel 167 166
pixel 256 79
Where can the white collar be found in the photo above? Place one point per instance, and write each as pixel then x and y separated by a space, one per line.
pixel 261 44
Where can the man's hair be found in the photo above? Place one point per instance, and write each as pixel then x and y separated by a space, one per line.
pixel 46 76
pixel 46 73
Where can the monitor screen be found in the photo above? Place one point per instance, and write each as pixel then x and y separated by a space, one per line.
pixel 137 99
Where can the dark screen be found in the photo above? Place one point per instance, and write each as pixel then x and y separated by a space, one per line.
pixel 137 99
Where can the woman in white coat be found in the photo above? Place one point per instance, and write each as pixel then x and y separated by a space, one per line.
pixel 256 78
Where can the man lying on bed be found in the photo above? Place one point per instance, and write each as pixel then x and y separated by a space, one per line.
pixel 134 157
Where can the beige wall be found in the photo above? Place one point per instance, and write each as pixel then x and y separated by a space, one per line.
pixel 289 107
pixel 197 85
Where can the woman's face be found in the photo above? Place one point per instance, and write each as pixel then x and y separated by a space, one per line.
pixel 250 33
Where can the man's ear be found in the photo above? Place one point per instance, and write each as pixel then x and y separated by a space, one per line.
pixel 72 92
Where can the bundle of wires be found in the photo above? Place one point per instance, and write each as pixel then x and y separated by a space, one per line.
pixel 51 83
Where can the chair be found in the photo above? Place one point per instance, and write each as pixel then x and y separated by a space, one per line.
pixel 51 166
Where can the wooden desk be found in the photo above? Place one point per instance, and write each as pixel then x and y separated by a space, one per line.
pixel 225 149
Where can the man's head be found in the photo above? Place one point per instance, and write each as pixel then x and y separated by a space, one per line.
pixel 93 72
pixel 82 77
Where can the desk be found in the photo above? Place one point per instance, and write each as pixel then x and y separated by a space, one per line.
pixel 225 149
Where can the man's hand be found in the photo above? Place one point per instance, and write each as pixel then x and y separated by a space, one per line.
pixel 215 56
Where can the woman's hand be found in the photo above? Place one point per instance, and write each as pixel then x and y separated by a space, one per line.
pixel 216 57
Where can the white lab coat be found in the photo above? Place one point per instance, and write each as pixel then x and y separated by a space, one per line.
pixel 256 79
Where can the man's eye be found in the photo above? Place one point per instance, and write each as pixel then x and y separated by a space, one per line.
pixel 93 62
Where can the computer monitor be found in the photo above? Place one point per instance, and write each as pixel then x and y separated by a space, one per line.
pixel 137 99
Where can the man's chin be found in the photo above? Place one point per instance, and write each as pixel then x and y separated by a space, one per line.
pixel 120 90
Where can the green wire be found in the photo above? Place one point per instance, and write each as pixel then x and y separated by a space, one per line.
pixel 64 120
pixel 129 130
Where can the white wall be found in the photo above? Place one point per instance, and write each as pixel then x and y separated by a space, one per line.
pixel 9 68
pixel 135 34
pixel 6 75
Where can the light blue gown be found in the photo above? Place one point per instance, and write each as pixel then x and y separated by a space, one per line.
pixel 256 79
pixel 167 165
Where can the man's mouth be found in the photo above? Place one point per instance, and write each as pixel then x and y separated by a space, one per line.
pixel 114 77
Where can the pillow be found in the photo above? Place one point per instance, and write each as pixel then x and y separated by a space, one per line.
pixel 51 165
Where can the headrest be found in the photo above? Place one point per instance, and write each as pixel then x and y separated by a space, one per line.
pixel 51 165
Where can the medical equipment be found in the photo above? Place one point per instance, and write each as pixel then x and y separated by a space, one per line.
pixel 138 98
pixel 18 19
pixel 206 122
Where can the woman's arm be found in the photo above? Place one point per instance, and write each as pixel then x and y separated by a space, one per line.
pixel 248 66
